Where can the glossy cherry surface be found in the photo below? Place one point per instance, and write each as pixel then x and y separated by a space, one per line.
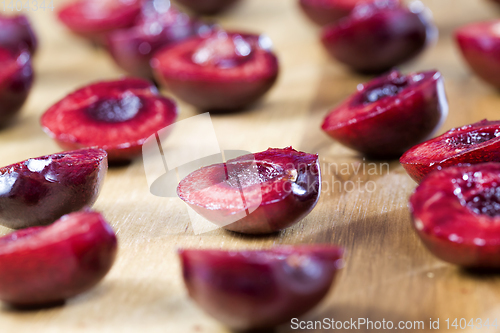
pixel 16 79
pixel 390 114
pixel 379 36
pixel 480 47
pixel 16 34
pixel 40 190
pixel 456 213
pixel 323 12
pixel 46 265
pixel 260 289
pixel 470 144
pixel 157 27
pixel 225 71
pixel 95 18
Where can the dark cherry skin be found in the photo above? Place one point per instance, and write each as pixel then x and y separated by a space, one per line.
pixel 117 116
pixel 16 79
pixel 207 7
pixel 93 19
pixel 480 46
pixel 40 190
pixel 456 213
pixel 323 12
pixel 376 38
pixel 470 144
pixel 280 187
pixel 260 289
pixel 16 34
pixel 46 265
pixel 390 114
pixel 222 72
pixel 133 48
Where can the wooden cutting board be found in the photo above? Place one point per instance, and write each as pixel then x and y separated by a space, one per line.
pixel 389 274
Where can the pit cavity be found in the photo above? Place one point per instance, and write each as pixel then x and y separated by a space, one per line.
pixel 246 174
pixel 223 51
pixel 479 193
pixel 388 88
pixel 115 110
pixel 467 139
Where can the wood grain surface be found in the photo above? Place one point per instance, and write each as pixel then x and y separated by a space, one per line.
pixel 388 275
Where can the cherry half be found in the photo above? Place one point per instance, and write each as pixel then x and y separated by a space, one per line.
pixel 46 265
pixel 207 7
pixel 456 213
pixel 117 116
pixel 390 114
pixel 40 190
pixel 480 46
pixel 323 12
pixel 260 289
pixel 255 194
pixel 157 27
pixel 225 71
pixel 378 36
pixel 93 19
pixel 16 79
pixel 16 34
pixel 470 144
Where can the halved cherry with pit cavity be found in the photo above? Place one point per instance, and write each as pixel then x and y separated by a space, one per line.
pixel 470 144
pixel 224 71
pixel 260 289
pixel 117 116
pixel 390 114
pixel 94 18
pixel 323 12
pixel 379 36
pixel 16 79
pixel 456 213
pixel 40 190
pixel 255 194
pixel 480 46
pixel 43 266
pixel 157 27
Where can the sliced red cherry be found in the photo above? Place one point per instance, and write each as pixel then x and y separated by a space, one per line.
pixel 260 289
pixel 133 48
pixel 47 265
pixel 94 18
pixel 323 12
pixel 456 213
pixel 16 79
pixel 117 116
pixel 480 46
pixel 40 190
pixel 224 71
pixel 255 194
pixel 390 114
pixel 379 36
pixel 16 34
pixel 207 7
pixel 470 144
